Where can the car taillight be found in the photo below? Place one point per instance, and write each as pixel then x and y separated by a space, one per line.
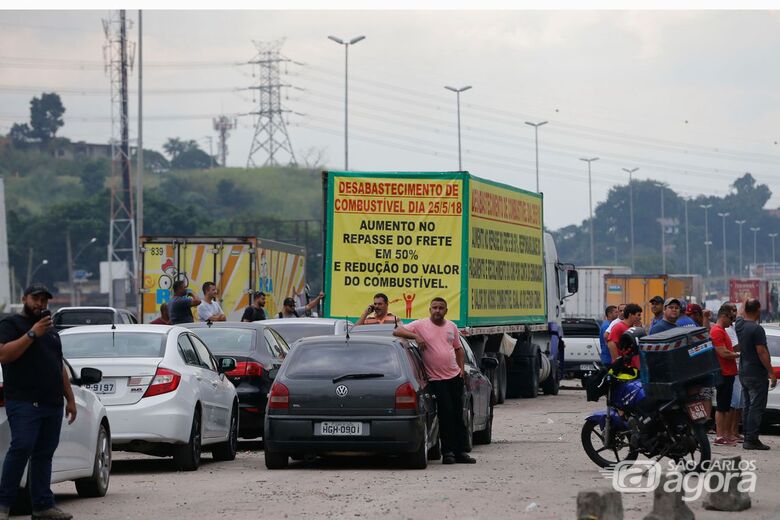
pixel 777 371
pixel 405 397
pixel 164 381
pixel 279 398
pixel 246 368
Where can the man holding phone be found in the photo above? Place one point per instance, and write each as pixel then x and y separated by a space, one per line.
pixel 377 314
pixel 35 383
pixel 180 306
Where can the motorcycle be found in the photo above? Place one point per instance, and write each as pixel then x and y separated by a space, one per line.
pixel 636 423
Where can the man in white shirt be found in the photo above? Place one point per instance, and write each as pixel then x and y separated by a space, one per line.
pixel 209 309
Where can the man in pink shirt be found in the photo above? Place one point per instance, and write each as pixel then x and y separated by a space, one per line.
pixel 443 358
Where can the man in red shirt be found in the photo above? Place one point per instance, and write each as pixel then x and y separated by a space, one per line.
pixel 163 318
pixel 632 317
pixel 444 359
pixel 728 368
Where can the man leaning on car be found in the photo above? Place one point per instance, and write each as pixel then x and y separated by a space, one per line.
pixel 35 382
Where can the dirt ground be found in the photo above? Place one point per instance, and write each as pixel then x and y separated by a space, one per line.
pixel 533 469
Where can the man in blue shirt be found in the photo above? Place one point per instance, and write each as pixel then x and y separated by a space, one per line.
pixel 657 308
pixel 610 313
pixel 685 319
pixel 671 316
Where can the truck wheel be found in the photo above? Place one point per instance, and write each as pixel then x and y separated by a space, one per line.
pixel 501 379
pixel 528 377
pixel 551 385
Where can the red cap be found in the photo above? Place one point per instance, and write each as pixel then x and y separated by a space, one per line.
pixel 694 308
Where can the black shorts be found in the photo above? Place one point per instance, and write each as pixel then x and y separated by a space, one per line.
pixel 723 395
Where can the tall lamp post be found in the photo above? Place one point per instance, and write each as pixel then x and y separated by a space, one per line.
pixel 614 248
pixel 687 248
pixel 457 96
pixel 346 44
pixel 630 173
pixel 725 274
pixel 536 141
pixel 590 207
pixel 773 236
pixel 741 265
pixel 755 231
pixel 32 276
pixel 72 266
pixel 707 242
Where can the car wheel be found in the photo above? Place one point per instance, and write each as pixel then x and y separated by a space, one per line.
pixel 485 436
pixel 435 452
pixel 97 484
pixel 470 428
pixel 501 392
pixel 187 456
pixel 227 450
pixel 418 459
pixel 274 460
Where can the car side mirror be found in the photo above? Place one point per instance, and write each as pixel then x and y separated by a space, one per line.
pixel 226 364
pixel 89 376
pixel 488 363
pixel 572 281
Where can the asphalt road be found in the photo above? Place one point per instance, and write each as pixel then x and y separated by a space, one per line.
pixel 533 469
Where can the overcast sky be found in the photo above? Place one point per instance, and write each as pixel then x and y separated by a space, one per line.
pixel 691 98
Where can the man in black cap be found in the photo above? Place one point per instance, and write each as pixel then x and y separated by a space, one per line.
pixel 657 308
pixel 290 310
pixel 35 382
pixel 256 311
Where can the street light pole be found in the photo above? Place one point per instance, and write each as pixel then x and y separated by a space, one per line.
pixel 536 140
pixel 457 96
pixel 32 276
pixel 773 236
pixel 346 44
pixel 613 248
pixel 707 242
pixel 687 249
pixel 741 265
pixel 755 231
pixel 631 209
pixel 725 273
pixel 590 207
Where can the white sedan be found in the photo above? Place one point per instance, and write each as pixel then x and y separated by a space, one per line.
pixel 164 392
pixel 84 451
pixel 772 414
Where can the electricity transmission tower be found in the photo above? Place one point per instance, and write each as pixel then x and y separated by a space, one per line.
pixel 122 237
pixel 271 137
pixel 223 125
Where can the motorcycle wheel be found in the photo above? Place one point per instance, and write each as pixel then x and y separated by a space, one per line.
pixel 694 461
pixel 593 441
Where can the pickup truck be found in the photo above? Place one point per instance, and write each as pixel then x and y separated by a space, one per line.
pixel 581 336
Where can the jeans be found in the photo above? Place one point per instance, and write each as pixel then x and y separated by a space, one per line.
pixel 449 409
pixel 754 393
pixel 35 434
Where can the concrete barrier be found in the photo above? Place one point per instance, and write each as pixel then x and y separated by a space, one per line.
pixel 668 505
pixel 728 495
pixel 599 504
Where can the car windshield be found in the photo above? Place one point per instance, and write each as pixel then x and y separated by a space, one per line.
pixel 328 362
pixel 773 344
pixel 297 329
pixel 113 345
pixel 85 317
pixel 225 341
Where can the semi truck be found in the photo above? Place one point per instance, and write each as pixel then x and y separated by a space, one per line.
pixel 639 288
pixel 238 265
pixel 476 243
pixel 589 302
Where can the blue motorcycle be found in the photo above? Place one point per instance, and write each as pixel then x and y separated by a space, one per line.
pixel 634 423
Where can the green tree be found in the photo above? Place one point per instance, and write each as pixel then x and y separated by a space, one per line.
pixel 19 134
pixel 190 159
pixel 46 116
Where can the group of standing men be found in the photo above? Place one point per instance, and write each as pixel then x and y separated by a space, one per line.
pixel 179 309
pixel 742 390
